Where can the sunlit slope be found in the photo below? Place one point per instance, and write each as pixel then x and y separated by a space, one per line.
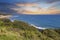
pixel 19 30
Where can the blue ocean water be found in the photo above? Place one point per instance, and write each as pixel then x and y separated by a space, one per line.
pixel 46 21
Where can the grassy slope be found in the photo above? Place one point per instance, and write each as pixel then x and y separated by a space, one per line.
pixel 19 30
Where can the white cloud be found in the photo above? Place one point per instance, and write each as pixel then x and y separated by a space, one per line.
pixel 34 9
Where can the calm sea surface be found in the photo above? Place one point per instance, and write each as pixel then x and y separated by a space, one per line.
pixel 47 21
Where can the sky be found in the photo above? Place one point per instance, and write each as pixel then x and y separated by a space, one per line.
pixel 33 11
pixel 35 7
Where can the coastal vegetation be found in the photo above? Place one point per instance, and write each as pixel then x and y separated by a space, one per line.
pixel 19 30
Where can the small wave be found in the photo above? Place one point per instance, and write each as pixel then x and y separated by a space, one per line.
pixel 37 27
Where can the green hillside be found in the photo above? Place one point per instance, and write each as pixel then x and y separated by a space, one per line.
pixel 19 30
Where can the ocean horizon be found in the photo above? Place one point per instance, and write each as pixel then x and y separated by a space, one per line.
pixel 44 21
